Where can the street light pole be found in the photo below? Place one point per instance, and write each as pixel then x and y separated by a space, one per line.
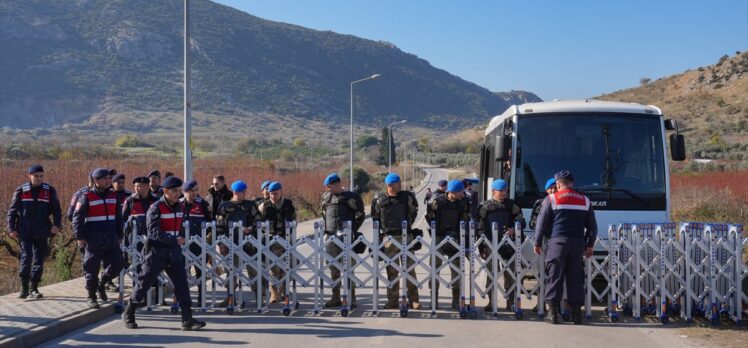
pixel 187 105
pixel 389 143
pixel 350 169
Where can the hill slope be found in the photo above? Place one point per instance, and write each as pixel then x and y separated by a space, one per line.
pixel 66 60
pixel 711 104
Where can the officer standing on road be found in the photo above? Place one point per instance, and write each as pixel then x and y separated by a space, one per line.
pixel 164 253
pixel 391 208
pixel 238 210
pixel 29 222
pixel 441 188
pixel 339 206
pixel 155 183
pixel 196 212
pixel 217 194
pixel 277 210
pixel 503 212
pixel 550 188
pixel 472 196
pixel 447 211
pixel 567 218
pixel 97 226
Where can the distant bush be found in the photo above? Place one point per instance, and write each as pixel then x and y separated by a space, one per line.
pixel 645 81
pixel 129 141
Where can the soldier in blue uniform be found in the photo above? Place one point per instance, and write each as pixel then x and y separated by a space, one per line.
pixel 163 252
pixel 568 221
pixel 31 207
pixel 97 226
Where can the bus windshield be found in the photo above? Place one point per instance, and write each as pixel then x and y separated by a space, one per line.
pixel 617 159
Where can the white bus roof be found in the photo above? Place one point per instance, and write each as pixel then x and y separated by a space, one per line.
pixel 588 105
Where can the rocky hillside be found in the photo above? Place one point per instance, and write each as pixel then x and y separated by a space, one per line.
pixel 64 61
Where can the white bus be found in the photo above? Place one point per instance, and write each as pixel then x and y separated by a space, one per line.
pixel 616 151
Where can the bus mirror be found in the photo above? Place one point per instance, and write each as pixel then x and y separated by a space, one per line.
pixel 502 147
pixel 677 147
pixel 671 124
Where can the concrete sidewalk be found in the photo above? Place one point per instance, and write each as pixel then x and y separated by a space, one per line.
pixel 25 323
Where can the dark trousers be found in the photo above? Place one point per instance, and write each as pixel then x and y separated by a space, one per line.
pixel 33 252
pixel 564 261
pixel 92 262
pixel 158 259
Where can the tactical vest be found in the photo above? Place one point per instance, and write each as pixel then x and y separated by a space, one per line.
pixel 195 214
pixel 498 212
pixel 394 210
pixel 139 208
pixel 34 214
pixel 277 217
pixel 100 226
pixel 337 210
pixel 448 215
pixel 235 212
pixel 171 220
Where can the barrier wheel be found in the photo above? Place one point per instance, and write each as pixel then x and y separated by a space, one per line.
pixel 664 319
pixel 614 317
pixel 230 310
pixel 174 309
pixel 344 312
pixel 119 308
pixel 519 315
pixel 286 311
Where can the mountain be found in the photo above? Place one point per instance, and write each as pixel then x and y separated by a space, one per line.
pixel 71 62
pixel 710 103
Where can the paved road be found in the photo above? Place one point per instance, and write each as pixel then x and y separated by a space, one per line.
pixel 328 329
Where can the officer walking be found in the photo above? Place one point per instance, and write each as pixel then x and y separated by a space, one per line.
pixel 97 226
pixel 339 206
pixel 76 196
pixel 155 183
pixel 503 212
pixel 390 209
pixel 567 218
pixel 277 210
pixel 447 211
pixel 164 253
pixel 196 212
pixel 238 210
pixel 29 222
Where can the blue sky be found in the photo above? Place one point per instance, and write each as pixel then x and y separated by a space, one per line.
pixel 557 49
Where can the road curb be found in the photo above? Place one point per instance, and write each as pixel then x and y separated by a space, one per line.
pixel 41 334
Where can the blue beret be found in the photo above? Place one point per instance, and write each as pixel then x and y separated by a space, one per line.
pixel 564 174
pixel 274 186
pixel 36 169
pixel 331 179
pixel 99 173
pixel 455 186
pixel 442 183
pixel 498 185
pixel 118 177
pixel 172 182
pixel 188 185
pixel 140 180
pixel 154 173
pixel 265 184
pixel 550 183
pixel 392 178
pixel 239 186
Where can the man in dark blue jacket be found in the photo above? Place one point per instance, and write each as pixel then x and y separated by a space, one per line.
pixel 568 221
pixel 163 252
pixel 28 220
pixel 97 225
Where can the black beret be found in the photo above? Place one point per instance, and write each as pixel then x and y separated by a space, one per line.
pixel 172 182
pixel 118 177
pixel 154 173
pixel 564 175
pixel 141 180
pixel 36 169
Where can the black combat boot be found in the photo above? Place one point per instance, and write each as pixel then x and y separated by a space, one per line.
pixel 576 314
pixel 188 322
pixel 92 303
pixel 102 288
pixel 24 289
pixel 35 290
pixel 128 316
pixel 554 314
